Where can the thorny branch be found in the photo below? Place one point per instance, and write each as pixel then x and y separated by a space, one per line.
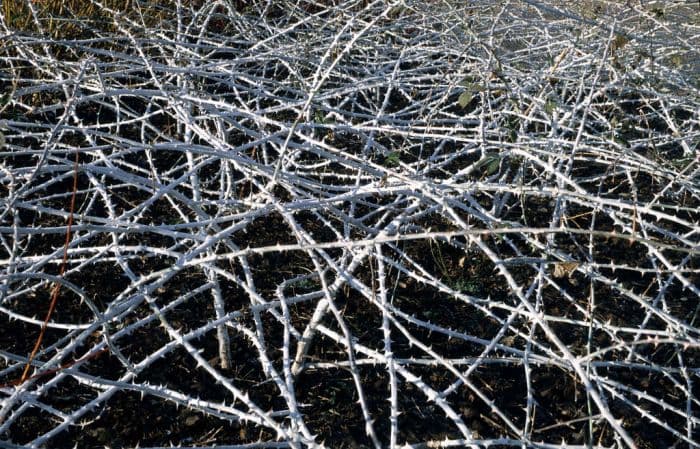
pixel 446 207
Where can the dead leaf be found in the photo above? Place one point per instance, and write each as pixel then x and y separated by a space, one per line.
pixel 564 269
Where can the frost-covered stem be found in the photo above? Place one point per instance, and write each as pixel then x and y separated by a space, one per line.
pixel 381 277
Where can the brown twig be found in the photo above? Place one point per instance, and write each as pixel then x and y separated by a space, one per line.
pixel 57 286
pixel 57 369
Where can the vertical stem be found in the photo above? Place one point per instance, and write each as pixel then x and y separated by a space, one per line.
pixel 56 287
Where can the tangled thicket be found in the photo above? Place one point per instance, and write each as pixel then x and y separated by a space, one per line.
pixel 360 224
